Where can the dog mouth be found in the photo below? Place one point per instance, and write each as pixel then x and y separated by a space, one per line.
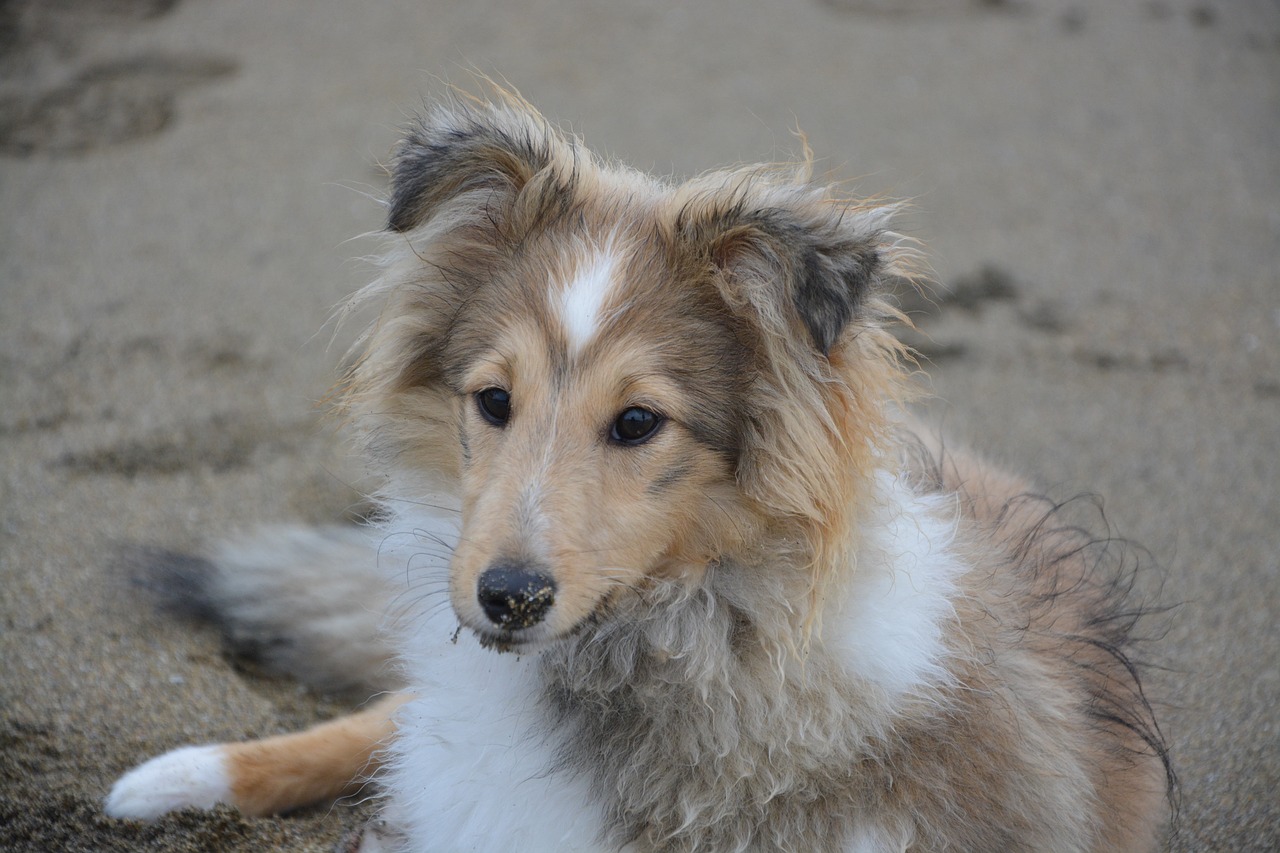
pixel 516 642
pixel 536 638
pixel 503 642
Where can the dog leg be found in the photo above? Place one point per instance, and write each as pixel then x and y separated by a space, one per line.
pixel 261 777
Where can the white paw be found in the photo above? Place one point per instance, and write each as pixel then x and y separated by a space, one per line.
pixel 191 776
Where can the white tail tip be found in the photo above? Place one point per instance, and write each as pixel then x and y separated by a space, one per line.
pixel 194 776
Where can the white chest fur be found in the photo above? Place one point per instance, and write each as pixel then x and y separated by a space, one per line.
pixel 475 759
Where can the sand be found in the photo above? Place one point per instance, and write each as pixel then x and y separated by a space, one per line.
pixel 1097 183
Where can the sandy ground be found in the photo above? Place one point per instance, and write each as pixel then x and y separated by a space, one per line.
pixel 1098 184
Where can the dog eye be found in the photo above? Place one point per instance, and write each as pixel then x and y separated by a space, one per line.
pixel 635 426
pixel 494 405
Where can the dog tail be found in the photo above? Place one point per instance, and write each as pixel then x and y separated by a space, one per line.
pixel 308 602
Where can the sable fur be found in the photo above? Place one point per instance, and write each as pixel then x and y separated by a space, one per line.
pixel 1040 739
pixel 786 620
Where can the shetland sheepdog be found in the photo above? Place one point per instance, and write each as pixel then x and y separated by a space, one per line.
pixel 665 567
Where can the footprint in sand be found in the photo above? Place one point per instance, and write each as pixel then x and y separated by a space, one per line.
pixel 104 105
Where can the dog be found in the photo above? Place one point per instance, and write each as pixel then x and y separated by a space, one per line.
pixel 668 567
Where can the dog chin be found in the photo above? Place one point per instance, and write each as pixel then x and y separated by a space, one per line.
pixel 506 641
pixel 531 640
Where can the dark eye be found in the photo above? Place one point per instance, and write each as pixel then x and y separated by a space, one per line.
pixel 635 426
pixel 494 405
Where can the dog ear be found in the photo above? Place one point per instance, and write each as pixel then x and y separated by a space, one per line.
pixel 792 254
pixel 803 269
pixel 467 146
pixel 836 274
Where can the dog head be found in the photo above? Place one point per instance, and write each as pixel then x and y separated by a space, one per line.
pixel 622 380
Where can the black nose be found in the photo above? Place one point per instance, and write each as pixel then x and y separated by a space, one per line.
pixel 515 596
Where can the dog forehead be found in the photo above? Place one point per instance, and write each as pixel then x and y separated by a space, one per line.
pixel 581 302
pixel 625 295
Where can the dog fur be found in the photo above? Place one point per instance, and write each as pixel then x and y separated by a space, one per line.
pixel 752 608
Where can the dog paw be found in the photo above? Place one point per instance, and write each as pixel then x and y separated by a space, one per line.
pixel 192 776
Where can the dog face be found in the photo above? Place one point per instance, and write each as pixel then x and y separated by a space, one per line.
pixel 599 413
pixel 623 380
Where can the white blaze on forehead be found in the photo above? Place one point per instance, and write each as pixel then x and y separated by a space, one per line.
pixel 581 300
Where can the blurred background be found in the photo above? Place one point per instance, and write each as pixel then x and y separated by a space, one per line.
pixel 1097 185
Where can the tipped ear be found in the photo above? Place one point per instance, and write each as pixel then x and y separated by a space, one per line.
pixel 835 278
pixel 795 255
pixel 467 146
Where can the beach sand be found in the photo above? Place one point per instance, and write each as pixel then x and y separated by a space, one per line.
pixel 1097 185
